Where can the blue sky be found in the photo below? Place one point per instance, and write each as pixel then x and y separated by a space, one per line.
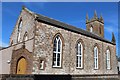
pixel 70 13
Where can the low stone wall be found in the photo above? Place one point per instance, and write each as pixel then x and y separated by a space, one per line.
pixel 96 77
pixel 17 77
pixel 59 77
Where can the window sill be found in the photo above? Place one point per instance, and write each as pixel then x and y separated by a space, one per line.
pixel 109 69
pixel 79 67
pixel 96 69
pixel 41 69
pixel 56 67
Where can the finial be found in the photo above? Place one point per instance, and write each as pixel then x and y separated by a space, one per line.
pixel 101 18
pixel 95 14
pixel 87 18
pixel 23 7
pixel 113 38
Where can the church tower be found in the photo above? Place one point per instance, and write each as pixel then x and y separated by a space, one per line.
pixel 95 25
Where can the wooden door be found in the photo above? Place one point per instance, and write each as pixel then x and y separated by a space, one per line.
pixel 21 66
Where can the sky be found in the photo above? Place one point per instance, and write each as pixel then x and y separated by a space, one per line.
pixel 73 13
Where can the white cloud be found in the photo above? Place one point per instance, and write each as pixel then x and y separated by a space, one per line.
pixel 108 29
pixel 111 29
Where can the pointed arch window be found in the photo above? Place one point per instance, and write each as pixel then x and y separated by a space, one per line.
pixel 26 38
pixel 79 61
pixel 100 29
pixel 108 59
pixel 91 29
pixel 95 57
pixel 19 30
pixel 57 51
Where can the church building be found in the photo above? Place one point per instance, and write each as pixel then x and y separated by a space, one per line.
pixel 42 45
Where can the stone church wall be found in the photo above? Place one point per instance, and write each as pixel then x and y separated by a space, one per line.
pixel 44 49
pixel 89 44
pixel 41 46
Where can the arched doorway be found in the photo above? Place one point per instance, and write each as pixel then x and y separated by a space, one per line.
pixel 21 61
pixel 21 66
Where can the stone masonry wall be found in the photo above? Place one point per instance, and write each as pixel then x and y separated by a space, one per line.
pixel 96 27
pixel 44 49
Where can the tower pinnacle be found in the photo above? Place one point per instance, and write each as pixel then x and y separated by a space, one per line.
pixel 113 38
pixel 95 14
pixel 101 18
pixel 87 18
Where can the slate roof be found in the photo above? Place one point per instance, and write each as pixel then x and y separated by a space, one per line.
pixel 59 24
